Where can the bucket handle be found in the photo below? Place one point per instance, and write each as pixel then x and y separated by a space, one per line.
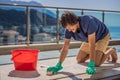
pixel 15 56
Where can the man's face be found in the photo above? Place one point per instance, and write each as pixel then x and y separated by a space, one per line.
pixel 72 28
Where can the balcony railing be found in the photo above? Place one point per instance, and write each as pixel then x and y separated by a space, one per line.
pixel 40 24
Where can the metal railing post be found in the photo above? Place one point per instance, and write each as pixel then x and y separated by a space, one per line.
pixel 82 13
pixel 28 25
pixel 103 16
pixel 57 26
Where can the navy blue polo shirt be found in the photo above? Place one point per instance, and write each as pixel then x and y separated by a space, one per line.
pixel 88 25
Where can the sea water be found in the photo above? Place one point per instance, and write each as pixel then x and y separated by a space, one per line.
pixel 114 32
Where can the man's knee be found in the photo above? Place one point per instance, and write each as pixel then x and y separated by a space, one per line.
pixel 97 64
pixel 81 57
pixel 80 60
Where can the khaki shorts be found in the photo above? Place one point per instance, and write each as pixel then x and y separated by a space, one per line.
pixel 100 45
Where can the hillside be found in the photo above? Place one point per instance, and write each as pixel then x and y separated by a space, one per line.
pixel 18 18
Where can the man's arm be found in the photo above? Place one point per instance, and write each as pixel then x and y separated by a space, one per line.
pixel 91 40
pixel 91 65
pixel 54 69
pixel 64 50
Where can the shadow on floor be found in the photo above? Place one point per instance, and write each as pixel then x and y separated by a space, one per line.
pixel 70 75
pixel 107 65
pixel 105 75
pixel 23 74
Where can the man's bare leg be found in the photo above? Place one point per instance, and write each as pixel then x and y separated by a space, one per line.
pixel 109 52
pixel 82 56
pixel 101 57
pixel 113 56
pixel 108 58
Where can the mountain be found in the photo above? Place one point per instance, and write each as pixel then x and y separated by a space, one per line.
pixel 20 2
pixel 33 3
pixel 8 14
pixel 14 17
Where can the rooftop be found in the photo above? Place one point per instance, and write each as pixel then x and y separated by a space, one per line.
pixel 71 71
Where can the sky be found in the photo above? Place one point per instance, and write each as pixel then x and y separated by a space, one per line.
pixel 89 4
pixel 86 4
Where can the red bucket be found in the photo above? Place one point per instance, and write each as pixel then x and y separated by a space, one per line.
pixel 25 59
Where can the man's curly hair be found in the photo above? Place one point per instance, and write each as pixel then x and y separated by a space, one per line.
pixel 68 18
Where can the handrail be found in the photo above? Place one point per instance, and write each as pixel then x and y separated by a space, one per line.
pixel 6 4
pixel 4 50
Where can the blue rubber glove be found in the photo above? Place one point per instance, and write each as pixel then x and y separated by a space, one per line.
pixel 56 68
pixel 91 68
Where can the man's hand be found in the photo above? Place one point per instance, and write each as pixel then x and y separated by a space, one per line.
pixel 54 69
pixel 91 68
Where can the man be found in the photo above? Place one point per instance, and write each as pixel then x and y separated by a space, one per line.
pixel 95 37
